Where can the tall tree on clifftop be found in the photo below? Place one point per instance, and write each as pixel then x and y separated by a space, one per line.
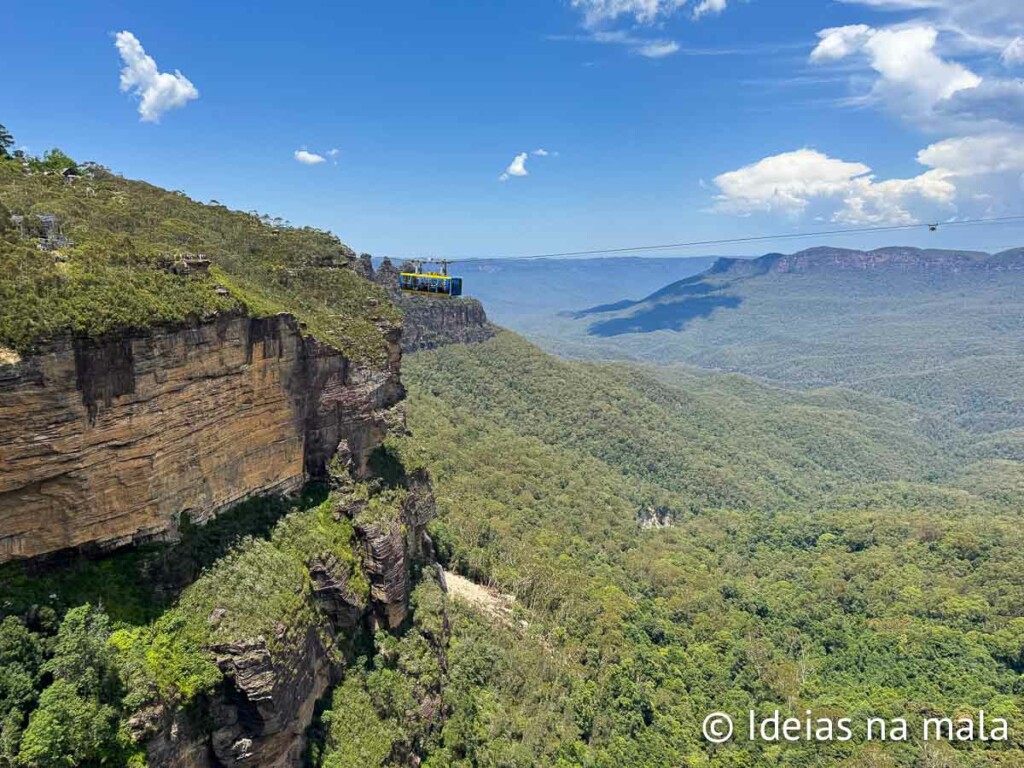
pixel 6 141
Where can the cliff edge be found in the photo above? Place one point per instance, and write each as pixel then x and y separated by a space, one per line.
pixel 430 322
pixel 111 441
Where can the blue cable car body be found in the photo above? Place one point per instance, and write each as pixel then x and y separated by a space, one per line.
pixel 430 284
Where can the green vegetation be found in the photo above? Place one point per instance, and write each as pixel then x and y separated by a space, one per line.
pixel 864 587
pixel 62 692
pixel 949 342
pixel 388 707
pixel 122 236
pixel 135 586
pixel 677 541
pixel 68 686
pixel 258 587
pixel 715 440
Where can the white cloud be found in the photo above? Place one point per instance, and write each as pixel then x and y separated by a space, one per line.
pixel 785 182
pixel 516 168
pixel 907 59
pixel 794 181
pixel 651 48
pixel 596 12
pixel 1013 53
pixel 839 42
pixel 657 49
pixel 976 155
pixel 928 70
pixel 887 202
pixel 912 78
pixel 309 158
pixel 599 15
pixel 708 6
pixel 157 91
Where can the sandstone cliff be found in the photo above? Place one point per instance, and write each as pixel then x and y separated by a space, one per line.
pixel 108 442
pixel 260 713
pixel 431 321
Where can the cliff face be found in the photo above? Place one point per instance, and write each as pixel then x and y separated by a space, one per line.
pixel 259 714
pixel 436 322
pixel 108 442
pixel 432 321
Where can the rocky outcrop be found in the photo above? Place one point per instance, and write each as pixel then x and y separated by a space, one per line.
pixel 431 322
pixel 111 441
pixel 434 321
pixel 259 714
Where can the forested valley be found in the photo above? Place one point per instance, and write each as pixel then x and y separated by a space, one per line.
pixel 662 542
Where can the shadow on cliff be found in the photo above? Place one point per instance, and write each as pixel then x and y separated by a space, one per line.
pixel 137 584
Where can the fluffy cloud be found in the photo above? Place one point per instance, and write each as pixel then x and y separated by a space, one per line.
pixel 306 157
pixel 977 155
pixel 309 158
pixel 960 170
pixel 911 75
pixel 518 165
pixel 918 75
pixel 157 91
pixel 785 182
pixel 516 168
pixel 915 72
pixel 839 42
pixel 794 181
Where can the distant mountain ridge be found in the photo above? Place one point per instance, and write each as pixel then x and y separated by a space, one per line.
pixel 903 258
pixel 703 291
pixel 941 329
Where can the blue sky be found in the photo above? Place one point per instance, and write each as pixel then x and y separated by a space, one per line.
pixel 662 120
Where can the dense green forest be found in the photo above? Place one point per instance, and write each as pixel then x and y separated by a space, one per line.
pixel 864 587
pixel 864 584
pixel 948 342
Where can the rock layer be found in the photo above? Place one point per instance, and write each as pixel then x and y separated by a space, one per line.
pixel 260 712
pixel 432 321
pixel 108 442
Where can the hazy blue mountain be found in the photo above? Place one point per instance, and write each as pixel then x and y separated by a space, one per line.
pixel 527 296
pixel 941 329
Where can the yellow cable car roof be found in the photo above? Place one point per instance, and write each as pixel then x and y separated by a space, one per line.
pixel 425 274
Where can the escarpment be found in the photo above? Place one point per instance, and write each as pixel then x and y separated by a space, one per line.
pixel 894 259
pixel 259 713
pixel 431 321
pixel 107 442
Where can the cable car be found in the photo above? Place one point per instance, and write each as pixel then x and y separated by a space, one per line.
pixel 430 283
